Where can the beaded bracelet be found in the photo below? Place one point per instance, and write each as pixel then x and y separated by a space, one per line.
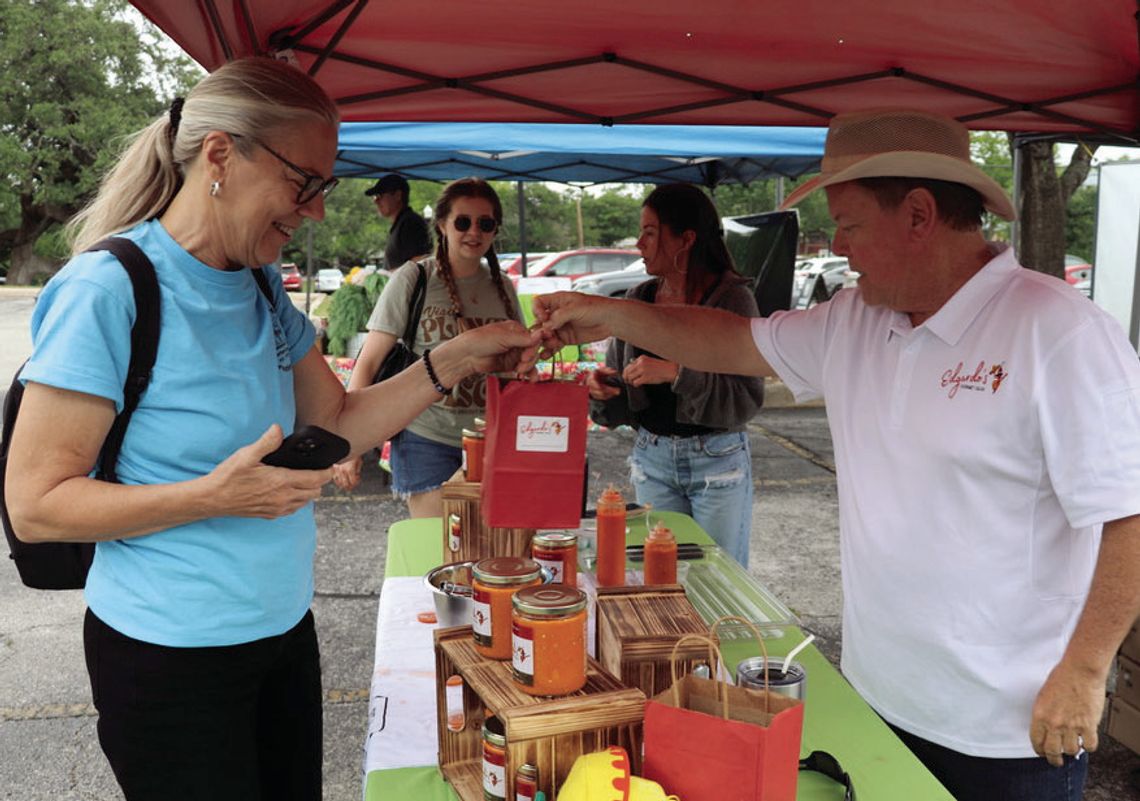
pixel 432 376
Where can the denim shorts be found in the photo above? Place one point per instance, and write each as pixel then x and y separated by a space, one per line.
pixel 420 464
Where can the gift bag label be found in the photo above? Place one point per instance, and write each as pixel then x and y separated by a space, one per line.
pixel 543 434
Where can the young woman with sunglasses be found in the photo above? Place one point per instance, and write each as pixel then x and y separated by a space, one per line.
pixel 462 293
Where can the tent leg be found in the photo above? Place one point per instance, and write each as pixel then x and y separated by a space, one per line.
pixel 522 226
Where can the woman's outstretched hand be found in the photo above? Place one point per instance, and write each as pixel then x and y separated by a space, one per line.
pixel 571 318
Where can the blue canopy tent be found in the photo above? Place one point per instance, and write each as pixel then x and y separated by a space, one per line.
pixel 700 154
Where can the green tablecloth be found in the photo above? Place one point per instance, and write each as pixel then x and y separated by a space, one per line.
pixel 835 718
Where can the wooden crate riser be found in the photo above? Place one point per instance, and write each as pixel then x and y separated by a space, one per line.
pixel 476 540
pixel 550 733
pixel 637 630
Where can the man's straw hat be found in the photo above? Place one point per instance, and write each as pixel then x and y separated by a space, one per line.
pixel 901 143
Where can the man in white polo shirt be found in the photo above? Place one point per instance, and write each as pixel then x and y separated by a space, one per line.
pixel 986 425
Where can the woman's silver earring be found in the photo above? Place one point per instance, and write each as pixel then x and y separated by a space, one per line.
pixel 215 187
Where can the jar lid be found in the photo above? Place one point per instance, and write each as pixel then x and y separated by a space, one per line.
pixel 555 539
pixel 660 533
pixel 506 570
pixel 549 600
pixel 467 432
pixel 493 732
pixel 528 770
pixel 480 423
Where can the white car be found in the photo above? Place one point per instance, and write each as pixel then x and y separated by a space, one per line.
pixel 612 284
pixel 816 280
pixel 329 280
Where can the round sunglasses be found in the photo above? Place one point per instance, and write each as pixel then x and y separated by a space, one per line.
pixel 486 224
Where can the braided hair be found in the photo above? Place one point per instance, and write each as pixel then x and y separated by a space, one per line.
pixel 468 187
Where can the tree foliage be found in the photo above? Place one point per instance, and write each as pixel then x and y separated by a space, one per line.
pixel 75 77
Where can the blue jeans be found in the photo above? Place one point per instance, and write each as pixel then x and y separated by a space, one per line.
pixel 420 464
pixel 707 477
pixel 970 778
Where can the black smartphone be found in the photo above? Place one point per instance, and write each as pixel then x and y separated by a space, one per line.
pixel 309 448
pixel 613 380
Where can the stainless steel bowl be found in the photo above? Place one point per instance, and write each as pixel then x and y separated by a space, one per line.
pixel 454 609
pixel 451 609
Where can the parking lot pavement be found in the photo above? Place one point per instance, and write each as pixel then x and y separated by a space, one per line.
pixel 48 748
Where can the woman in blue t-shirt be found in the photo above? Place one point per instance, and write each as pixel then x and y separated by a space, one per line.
pixel 199 640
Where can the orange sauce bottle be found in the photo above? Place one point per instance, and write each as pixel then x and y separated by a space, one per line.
pixel 493 582
pixel 660 556
pixel 611 538
pixel 548 626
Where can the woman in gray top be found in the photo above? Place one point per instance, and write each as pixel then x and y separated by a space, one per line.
pixel 692 453
pixel 461 293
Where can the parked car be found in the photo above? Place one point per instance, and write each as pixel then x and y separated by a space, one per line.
pixel 329 279
pixel 512 262
pixel 291 277
pixel 1077 269
pixel 612 284
pixel 816 280
pixel 576 263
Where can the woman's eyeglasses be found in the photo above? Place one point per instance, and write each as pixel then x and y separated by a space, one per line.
pixel 312 184
pixel 462 223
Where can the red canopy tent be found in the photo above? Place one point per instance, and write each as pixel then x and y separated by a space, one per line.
pixel 1060 66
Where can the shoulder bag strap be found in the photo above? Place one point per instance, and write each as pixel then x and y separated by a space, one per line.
pixel 144 343
pixel 419 293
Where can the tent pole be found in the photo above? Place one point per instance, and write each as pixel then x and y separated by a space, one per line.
pixel 779 191
pixel 1014 226
pixel 522 226
pixel 308 265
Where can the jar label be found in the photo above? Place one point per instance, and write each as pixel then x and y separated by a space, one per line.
pixel 546 434
pixel 481 616
pixel 524 789
pixel 454 532
pixel 522 653
pixel 494 776
pixel 554 565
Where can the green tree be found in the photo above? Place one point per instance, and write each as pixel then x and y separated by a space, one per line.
pixel 990 151
pixel 351 234
pixel 1080 223
pixel 74 76
pixel 550 218
pixel 613 215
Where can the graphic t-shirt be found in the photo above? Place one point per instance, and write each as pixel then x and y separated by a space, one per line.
pixel 444 420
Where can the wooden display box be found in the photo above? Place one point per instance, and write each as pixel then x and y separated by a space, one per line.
pixel 549 733
pixel 637 629
pixel 475 540
pixel 1124 724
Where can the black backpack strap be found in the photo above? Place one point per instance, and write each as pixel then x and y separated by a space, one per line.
pixel 144 344
pixel 263 285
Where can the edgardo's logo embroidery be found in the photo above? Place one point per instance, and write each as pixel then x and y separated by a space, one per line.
pixel 979 380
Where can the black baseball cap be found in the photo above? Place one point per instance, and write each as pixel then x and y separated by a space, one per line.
pixel 389 183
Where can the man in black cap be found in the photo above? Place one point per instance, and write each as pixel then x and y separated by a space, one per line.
pixel 408 236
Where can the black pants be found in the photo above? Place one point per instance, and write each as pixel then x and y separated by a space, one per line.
pixel 231 722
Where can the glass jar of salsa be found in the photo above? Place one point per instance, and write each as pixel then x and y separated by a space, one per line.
pixel 473 448
pixel 494 760
pixel 494 581
pixel 557 551
pixel 548 627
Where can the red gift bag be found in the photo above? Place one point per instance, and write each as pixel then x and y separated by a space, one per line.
pixel 706 740
pixel 535 454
